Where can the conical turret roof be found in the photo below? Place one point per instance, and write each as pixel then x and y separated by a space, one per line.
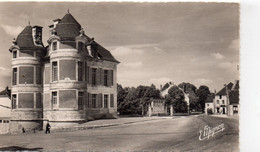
pixel 68 27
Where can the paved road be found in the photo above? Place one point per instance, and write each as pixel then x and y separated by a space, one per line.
pixel 171 134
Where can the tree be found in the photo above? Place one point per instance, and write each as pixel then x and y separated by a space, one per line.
pixel 192 90
pixel 136 100
pixel 121 94
pixel 202 94
pixel 176 98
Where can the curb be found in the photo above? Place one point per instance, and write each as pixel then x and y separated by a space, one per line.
pixel 75 128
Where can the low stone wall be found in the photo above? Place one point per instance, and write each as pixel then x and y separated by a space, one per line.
pixel 28 125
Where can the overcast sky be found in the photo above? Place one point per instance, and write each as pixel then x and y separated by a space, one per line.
pixel 155 42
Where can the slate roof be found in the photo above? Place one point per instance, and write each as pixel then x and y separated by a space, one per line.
pixel 236 87
pixel 104 53
pixel 25 39
pixel 5 93
pixel 234 97
pixel 68 27
pixel 223 90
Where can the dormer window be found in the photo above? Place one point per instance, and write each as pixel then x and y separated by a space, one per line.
pixel 89 50
pixel 81 46
pixel 54 46
pixel 14 54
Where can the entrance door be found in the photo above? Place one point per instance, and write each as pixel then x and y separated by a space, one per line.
pixel 217 110
pixel 224 112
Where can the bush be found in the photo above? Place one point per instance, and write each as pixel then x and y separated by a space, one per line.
pixel 209 111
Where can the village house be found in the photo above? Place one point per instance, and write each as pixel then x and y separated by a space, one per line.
pixel 159 107
pixel 5 111
pixel 226 101
pixel 71 80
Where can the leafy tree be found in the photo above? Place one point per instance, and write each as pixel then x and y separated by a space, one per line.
pixel 121 94
pixel 136 100
pixel 192 90
pixel 176 98
pixel 202 94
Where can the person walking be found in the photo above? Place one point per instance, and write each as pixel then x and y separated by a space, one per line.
pixel 48 128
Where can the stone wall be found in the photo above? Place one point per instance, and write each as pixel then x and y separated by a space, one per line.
pixel 28 125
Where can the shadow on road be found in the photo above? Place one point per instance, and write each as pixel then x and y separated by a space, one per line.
pixel 17 148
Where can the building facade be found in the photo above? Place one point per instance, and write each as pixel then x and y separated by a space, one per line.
pixel 71 80
pixel 226 101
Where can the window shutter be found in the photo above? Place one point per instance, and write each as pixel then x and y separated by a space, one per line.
pixel 109 78
pixel 99 101
pixel 111 100
pixel 89 101
pixel 89 75
pixel 101 77
pixel 86 72
pixel 112 77
pixel 85 100
pixel 98 76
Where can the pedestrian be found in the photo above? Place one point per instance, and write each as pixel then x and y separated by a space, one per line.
pixel 48 128
pixel 23 130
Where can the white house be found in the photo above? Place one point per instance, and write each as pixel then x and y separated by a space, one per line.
pixel 164 93
pixel 226 101
pixel 5 111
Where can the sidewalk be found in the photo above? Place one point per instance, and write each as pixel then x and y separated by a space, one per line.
pixel 105 123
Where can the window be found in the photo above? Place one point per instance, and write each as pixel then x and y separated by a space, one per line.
pixel 14 54
pixel 93 100
pixel 105 101
pixel 54 46
pixel 105 77
pixel 54 98
pixel 111 100
pixel 14 101
pixel 80 100
pixel 81 46
pixel 217 101
pixel 6 121
pixel 0 121
pixel 223 102
pixel 80 71
pixel 89 50
pixel 54 71
pixel 112 77
pixel 220 96
pixel 14 76
pixel 94 76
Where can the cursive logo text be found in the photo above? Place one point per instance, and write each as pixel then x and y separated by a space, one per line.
pixel 208 131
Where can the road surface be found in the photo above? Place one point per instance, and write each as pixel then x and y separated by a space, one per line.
pixel 165 134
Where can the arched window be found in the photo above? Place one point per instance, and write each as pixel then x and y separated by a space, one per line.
pixel 54 46
pixel 14 54
pixel 81 46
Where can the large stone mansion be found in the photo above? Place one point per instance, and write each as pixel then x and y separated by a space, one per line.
pixel 71 80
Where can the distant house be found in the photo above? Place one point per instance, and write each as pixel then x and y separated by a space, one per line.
pixel 209 104
pixel 160 105
pixel 5 111
pixel 226 101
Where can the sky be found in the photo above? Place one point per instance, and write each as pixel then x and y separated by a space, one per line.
pixel 154 42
